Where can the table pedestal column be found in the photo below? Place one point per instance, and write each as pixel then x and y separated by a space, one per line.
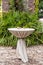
pixel 21 50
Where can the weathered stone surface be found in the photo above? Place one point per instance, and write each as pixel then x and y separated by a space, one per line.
pixel 8 56
pixel 5 5
pixel 29 5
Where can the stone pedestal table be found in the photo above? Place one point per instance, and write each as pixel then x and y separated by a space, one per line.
pixel 21 33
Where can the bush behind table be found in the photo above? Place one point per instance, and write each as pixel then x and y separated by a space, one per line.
pixel 19 19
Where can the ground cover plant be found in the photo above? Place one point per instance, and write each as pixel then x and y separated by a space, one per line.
pixel 19 19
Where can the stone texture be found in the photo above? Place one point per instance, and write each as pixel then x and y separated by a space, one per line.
pixel 5 5
pixel 8 56
pixel 29 5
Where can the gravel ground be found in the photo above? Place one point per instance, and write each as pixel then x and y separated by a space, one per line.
pixel 8 56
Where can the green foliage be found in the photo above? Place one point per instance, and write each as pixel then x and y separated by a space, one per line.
pixel 0 2
pixel 41 4
pixel 40 14
pixel 16 5
pixel 36 6
pixel 11 4
pixel 19 19
pixel 0 19
pixel 41 8
pixel 21 4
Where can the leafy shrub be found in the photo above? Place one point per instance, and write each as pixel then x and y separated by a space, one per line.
pixel 11 4
pixel 16 5
pixel 40 8
pixel 41 14
pixel 18 19
pixel 37 6
pixel 41 4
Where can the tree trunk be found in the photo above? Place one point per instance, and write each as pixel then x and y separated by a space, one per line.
pixel 5 5
pixel 29 5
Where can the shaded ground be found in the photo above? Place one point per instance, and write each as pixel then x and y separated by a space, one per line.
pixel 8 56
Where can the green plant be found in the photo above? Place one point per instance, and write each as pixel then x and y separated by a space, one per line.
pixel 11 4
pixel 18 19
pixel 41 8
pixel 16 5
pixel 41 4
pixel 36 7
